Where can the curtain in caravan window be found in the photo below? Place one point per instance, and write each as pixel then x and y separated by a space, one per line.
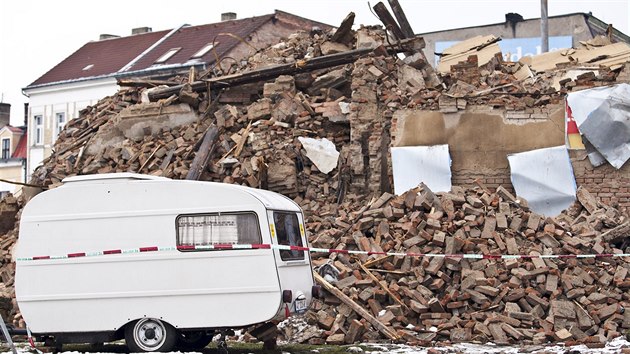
pixel 212 229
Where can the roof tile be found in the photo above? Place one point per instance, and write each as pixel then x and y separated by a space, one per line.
pixel 20 149
pixel 192 39
pixel 108 56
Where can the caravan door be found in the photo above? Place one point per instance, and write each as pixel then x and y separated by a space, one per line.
pixel 294 267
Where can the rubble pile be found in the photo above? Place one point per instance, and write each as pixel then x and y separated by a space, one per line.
pixel 251 133
pixel 424 299
pixel 9 211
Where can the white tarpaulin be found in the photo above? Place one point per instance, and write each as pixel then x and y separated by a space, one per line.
pixel 584 102
pixel 607 128
pixel 321 152
pixel 603 117
pixel 544 178
pixel 414 164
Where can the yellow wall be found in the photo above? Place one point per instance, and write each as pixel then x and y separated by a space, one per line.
pixel 15 138
pixel 12 173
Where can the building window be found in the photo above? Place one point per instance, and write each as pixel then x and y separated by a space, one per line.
pixel 211 229
pixel 38 122
pixel 60 120
pixel 203 51
pixel 166 56
pixel 288 229
pixel 6 148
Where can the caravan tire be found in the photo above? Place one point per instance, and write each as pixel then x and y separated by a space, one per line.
pixel 150 335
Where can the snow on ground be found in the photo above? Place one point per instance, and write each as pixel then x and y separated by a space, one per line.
pixel 612 347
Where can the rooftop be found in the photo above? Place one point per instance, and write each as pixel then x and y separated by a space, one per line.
pixel 154 51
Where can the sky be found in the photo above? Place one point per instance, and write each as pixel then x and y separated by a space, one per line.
pixel 35 35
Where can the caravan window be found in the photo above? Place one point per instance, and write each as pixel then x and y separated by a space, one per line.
pixel 219 228
pixel 288 229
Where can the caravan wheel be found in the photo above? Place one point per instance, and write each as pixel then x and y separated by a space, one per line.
pixel 150 335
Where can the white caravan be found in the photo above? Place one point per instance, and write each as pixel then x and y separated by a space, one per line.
pixel 112 256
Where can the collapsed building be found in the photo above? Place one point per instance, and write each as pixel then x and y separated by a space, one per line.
pixel 315 117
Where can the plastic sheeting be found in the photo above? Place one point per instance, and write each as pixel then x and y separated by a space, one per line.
pixel 607 128
pixel 414 164
pixel 606 133
pixel 321 152
pixel 544 177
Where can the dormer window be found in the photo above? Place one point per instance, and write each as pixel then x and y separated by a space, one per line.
pixel 166 56
pixel 203 51
pixel 6 148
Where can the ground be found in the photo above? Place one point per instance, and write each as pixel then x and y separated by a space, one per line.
pixel 614 347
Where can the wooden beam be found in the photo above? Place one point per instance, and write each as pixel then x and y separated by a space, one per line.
pixel 356 307
pixel 23 184
pixel 388 20
pixel 241 142
pixel 204 153
pixel 376 261
pixel 167 160
pixel 389 292
pixel 401 18
pixel 145 82
pixel 150 157
pixel 300 66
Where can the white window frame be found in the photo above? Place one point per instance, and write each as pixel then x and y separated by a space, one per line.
pixel 38 132
pixel 216 228
pixel 59 126
pixel 168 55
pixel 204 50
pixel 8 140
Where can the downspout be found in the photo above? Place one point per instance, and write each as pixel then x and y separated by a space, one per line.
pixel 28 137
pixel 153 46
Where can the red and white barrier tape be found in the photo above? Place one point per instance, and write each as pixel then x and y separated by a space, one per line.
pixel 31 340
pixel 314 250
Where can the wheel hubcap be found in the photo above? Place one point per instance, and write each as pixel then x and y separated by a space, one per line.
pixel 149 334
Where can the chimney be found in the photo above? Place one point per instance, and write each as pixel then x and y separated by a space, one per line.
pixel 141 30
pixel 512 17
pixel 104 36
pixel 5 114
pixel 227 16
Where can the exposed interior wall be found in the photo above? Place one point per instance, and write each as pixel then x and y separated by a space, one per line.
pixel 480 139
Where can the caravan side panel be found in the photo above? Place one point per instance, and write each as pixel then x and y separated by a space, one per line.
pixel 198 289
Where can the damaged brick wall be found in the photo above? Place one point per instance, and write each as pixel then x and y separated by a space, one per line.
pixel 609 184
pixel 369 129
pixel 480 139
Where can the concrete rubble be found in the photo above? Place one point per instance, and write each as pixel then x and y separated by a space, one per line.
pixel 251 133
